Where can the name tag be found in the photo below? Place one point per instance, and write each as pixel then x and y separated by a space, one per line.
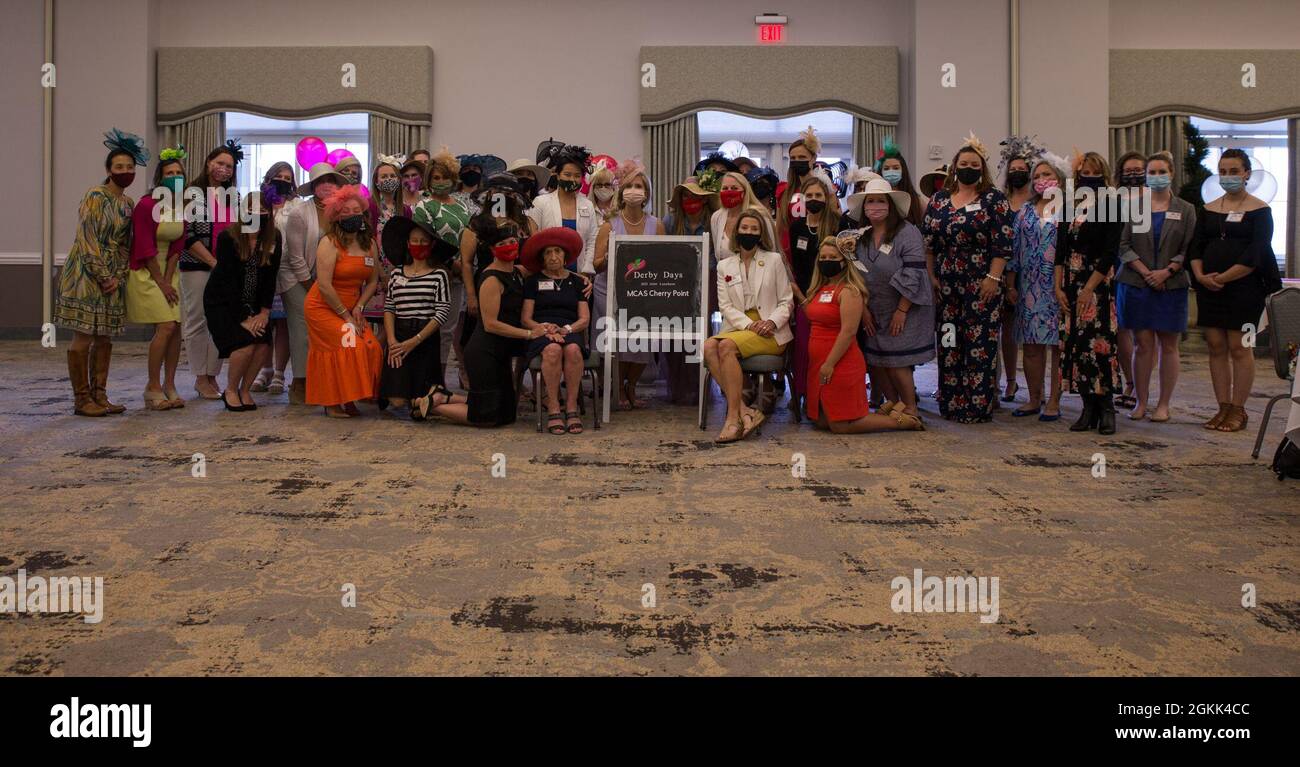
pixel 826 298
pixel 546 285
pixel 801 243
pixel 370 261
pixel 974 207
pixel 1173 215
pixel 886 248
pixel 1235 216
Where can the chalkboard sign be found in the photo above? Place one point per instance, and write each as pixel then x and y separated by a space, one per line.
pixel 657 297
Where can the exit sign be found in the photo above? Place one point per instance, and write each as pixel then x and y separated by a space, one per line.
pixel 770 33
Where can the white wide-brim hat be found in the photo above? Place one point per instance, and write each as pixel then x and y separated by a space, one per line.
pixel 542 174
pixel 318 171
pixel 902 200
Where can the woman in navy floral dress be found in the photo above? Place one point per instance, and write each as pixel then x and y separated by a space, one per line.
pixel 969 232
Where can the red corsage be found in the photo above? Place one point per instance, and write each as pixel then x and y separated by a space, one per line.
pixel 726 278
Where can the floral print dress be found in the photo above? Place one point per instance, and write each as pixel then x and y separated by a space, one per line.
pixel 964 242
pixel 1034 262
pixel 1089 364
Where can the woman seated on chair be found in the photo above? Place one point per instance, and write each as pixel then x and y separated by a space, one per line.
pixel 754 296
pixel 837 396
pixel 553 301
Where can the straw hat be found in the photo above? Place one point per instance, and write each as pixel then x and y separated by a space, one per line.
pixel 902 200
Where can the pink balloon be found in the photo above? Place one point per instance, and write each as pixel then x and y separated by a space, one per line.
pixel 338 154
pixel 311 150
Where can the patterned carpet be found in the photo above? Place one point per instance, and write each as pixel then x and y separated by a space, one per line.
pixel 543 571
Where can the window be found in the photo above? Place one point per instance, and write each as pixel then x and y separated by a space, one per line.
pixel 1266 143
pixel 768 141
pixel 267 141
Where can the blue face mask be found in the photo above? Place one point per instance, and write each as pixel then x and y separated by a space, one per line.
pixel 892 176
pixel 1232 184
pixel 1158 183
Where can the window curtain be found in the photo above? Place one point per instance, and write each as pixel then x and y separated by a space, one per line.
pixel 1293 197
pixel 671 149
pixel 388 136
pixel 868 139
pixel 1151 136
pixel 199 136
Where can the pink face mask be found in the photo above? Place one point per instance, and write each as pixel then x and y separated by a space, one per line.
pixel 412 184
pixel 326 190
pixel 1043 184
pixel 876 211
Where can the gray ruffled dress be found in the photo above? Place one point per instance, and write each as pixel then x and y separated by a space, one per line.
pixel 895 271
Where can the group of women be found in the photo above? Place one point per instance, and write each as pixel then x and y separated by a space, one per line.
pixel 367 295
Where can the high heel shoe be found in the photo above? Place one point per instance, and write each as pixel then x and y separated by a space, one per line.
pixel 232 408
pixel 174 397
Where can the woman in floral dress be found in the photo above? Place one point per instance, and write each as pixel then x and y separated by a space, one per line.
pixel 1086 253
pixel 968 232
pixel 1038 313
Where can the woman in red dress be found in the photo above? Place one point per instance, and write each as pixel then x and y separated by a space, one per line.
pixel 837 371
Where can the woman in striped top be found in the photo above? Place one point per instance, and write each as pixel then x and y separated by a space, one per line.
pixel 416 304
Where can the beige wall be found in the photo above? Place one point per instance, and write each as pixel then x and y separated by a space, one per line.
pixel 21 97
pixel 1204 24
pixel 1064 73
pixel 974 38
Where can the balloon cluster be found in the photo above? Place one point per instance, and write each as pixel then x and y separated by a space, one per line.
pixel 312 151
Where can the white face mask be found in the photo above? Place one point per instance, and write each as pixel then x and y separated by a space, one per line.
pixel 603 193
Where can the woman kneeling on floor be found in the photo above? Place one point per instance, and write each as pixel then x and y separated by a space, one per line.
pixel 837 393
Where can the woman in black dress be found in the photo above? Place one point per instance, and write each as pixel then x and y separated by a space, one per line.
pixel 498 338
pixel 1233 263
pixel 238 296
pixel 553 301
pixel 1086 254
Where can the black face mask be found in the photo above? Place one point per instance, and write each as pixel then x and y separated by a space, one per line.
pixel 830 268
pixel 815 206
pixel 353 224
pixel 748 240
pixel 470 177
pixel 1088 182
pixel 969 176
pixel 528 187
pixel 1017 178
pixel 1134 179
pixel 799 167
pixel 282 187
pixel 570 186
pixel 762 191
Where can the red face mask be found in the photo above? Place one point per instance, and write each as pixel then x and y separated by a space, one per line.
pixel 419 252
pixel 508 252
pixel 732 197
pixel 692 205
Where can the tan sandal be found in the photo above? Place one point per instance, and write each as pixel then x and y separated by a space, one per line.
pixel 731 432
pixel 886 407
pixel 1235 420
pixel 906 421
pixel 174 398
pixel 1217 418
pixel 751 419
pixel 156 400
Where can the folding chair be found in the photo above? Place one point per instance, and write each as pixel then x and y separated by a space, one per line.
pixel 1283 312
pixel 591 369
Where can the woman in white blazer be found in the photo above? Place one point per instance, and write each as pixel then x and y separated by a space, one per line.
pixel 755 298
pixel 566 205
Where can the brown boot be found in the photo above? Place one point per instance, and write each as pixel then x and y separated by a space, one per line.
pixel 101 353
pixel 298 391
pixel 78 373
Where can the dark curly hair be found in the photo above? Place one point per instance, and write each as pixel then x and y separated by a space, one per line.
pixel 570 153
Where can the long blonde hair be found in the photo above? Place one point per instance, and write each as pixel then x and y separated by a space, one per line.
pixel 764 225
pixel 849 278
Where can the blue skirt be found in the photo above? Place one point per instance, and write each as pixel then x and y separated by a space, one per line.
pixel 1144 308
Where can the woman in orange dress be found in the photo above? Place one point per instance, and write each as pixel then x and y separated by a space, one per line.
pixel 837 371
pixel 344 359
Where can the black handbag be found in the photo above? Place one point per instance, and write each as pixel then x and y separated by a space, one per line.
pixel 1286 461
